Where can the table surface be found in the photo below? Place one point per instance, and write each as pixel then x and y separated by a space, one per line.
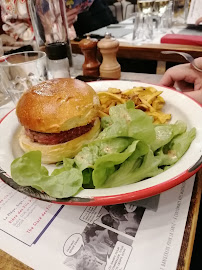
pixel 144 51
pixel 8 262
pixel 151 50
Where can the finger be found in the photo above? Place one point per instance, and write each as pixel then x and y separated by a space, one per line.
pixel 198 21
pixel 72 11
pixel 72 16
pixel 198 62
pixel 72 21
pixel 184 86
pixel 196 95
pixel 198 84
pixel 71 33
pixel 180 73
pixel 176 73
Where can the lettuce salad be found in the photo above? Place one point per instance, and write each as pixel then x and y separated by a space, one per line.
pixel 130 148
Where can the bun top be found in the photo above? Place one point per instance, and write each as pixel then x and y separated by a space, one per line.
pixel 57 105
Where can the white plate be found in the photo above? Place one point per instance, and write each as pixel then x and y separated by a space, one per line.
pixel 180 106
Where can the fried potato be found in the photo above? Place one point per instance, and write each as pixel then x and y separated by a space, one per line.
pixel 147 99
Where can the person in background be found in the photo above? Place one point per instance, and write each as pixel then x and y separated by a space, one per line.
pixel 185 78
pixel 16 21
pixel 50 22
pixel 198 21
pixel 83 16
pixel 74 8
pixel 96 16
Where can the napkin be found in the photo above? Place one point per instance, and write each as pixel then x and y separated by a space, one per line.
pixel 182 39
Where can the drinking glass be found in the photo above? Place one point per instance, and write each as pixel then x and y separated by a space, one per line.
pixel 143 21
pixel 4 97
pixel 180 12
pixel 161 12
pixel 143 27
pixel 49 20
pixel 145 6
pixel 20 71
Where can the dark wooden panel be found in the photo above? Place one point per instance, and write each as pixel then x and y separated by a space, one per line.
pixel 151 51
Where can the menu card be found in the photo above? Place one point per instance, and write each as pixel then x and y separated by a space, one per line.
pixel 145 234
pixel 24 217
pixel 195 11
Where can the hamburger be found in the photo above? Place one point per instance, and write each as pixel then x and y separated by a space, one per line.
pixel 58 118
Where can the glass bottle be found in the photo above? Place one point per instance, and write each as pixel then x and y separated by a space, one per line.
pixel 50 24
pixel 57 60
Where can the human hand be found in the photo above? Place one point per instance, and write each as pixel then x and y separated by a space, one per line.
pixel 7 40
pixel 198 21
pixel 72 15
pixel 71 33
pixel 185 78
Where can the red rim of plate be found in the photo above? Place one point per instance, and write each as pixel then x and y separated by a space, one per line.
pixel 135 195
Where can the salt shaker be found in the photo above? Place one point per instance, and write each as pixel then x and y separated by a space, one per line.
pixel 89 49
pixel 57 62
pixel 110 68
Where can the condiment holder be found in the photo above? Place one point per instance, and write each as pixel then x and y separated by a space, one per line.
pixel 91 65
pixel 110 68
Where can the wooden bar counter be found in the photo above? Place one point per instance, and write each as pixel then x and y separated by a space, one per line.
pixel 151 51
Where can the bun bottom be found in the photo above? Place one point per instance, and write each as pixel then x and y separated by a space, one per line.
pixel 55 153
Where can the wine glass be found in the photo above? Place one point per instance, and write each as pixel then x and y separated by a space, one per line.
pixel 159 9
pixel 145 6
pixel 180 12
pixel 143 25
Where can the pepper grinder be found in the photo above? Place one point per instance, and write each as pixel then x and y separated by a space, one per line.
pixel 110 68
pixel 89 49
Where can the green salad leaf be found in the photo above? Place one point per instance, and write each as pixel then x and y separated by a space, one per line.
pixel 105 165
pixel 175 149
pixel 87 157
pixel 165 132
pixel 62 183
pixel 128 122
pixel 87 178
pixel 136 168
pixel 130 148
